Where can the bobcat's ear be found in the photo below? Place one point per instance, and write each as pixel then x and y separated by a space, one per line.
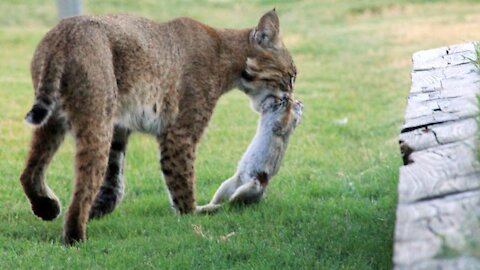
pixel 267 31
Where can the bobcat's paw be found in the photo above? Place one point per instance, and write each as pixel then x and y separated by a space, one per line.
pixel 105 202
pixel 73 236
pixel 46 208
pixel 207 209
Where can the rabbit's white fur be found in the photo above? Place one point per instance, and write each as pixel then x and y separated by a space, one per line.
pixel 263 157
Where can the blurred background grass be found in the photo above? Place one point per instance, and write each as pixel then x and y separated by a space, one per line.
pixel 332 206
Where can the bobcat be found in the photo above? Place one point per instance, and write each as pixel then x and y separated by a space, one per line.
pixel 262 159
pixel 103 77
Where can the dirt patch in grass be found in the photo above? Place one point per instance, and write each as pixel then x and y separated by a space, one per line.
pixel 440 31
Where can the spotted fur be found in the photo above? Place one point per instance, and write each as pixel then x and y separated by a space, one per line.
pixel 102 77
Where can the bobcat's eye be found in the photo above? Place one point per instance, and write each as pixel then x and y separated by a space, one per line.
pixel 292 80
pixel 292 75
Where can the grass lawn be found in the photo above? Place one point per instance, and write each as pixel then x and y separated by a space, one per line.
pixel 332 206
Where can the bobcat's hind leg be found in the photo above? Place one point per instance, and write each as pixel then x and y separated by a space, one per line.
pixel 111 191
pixel 90 98
pixel 45 142
pixel 93 140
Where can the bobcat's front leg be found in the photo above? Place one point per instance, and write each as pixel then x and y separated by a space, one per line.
pixel 177 162
pixel 45 142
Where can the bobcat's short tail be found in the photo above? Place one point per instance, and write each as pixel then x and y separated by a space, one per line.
pixel 40 112
pixel 46 92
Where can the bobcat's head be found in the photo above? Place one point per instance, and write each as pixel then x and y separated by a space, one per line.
pixel 270 70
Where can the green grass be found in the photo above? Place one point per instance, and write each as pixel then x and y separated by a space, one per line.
pixel 332 206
